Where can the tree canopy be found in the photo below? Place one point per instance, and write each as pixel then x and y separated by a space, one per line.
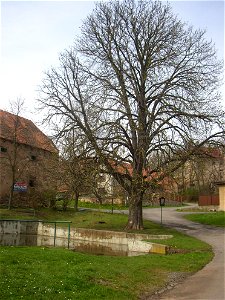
pixel 140 86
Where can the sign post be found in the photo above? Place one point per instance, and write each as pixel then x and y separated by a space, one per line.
pixel 112 204
pixel 162 201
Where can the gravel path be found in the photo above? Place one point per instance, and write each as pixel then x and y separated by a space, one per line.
pixel 208 283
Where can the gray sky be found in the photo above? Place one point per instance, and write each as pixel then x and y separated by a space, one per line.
pixel 33 33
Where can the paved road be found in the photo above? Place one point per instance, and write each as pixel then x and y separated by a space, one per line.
pixel 208 283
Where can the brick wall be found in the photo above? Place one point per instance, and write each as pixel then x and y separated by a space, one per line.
pixel 34 167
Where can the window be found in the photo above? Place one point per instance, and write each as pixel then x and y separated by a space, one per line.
pixel 3 149
pixel 33 157
pixel 32 182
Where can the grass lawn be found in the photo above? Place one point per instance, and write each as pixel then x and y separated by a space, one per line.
pixel 55 273
pixel 93 205
pixel 211 218
pixel 83 204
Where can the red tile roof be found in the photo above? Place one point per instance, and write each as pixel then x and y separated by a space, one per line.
pixel 27 132
pixel 126 168
pixel 122 168
pixel 211 152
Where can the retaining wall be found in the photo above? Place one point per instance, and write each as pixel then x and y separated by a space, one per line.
pixel 45 233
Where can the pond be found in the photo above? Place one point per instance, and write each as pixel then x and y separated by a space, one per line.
pixel 8 239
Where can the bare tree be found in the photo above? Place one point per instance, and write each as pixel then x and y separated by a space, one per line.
pixel 142 87
pixel 11 159
pixel 77 166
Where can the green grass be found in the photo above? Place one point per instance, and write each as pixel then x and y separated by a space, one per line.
pixel 101 206
pixel 109 206
pixel 211 218
pixel 83 204
pixel 81 219
pixel 84 219
pixel 98 220
pixel 55 273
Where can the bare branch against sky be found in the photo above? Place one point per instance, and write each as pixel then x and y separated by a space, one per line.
pixel 33 33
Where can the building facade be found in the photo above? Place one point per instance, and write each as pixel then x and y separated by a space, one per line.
pixel 200 173
pixel 28 160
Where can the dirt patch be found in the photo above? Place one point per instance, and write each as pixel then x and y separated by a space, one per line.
pixel 171 250
pixel 174 278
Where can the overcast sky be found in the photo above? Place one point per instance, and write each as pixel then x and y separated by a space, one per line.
pixel 33 33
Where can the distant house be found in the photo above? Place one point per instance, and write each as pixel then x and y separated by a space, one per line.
pixel 27 157
pixel 200 173
pixel 166 187
pixel 198 176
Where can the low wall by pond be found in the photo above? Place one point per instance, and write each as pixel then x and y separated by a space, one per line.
pixel 81 237
pixel 19 227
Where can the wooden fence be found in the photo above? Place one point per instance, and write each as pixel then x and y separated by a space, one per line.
pixel 208 200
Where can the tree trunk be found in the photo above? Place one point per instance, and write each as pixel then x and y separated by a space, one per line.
pixel 76 198
pixel 98 197
pixel 10 197
pixel 135 219
pixel 12 189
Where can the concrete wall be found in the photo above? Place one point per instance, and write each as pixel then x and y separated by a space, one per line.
pixel 134 242
pixel 45 236
pixel 18 227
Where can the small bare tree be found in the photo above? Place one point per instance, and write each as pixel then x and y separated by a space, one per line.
pixel 11 159
pixel 141 86
pixel 76 166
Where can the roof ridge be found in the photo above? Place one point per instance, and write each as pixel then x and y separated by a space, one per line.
pixel 29 133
